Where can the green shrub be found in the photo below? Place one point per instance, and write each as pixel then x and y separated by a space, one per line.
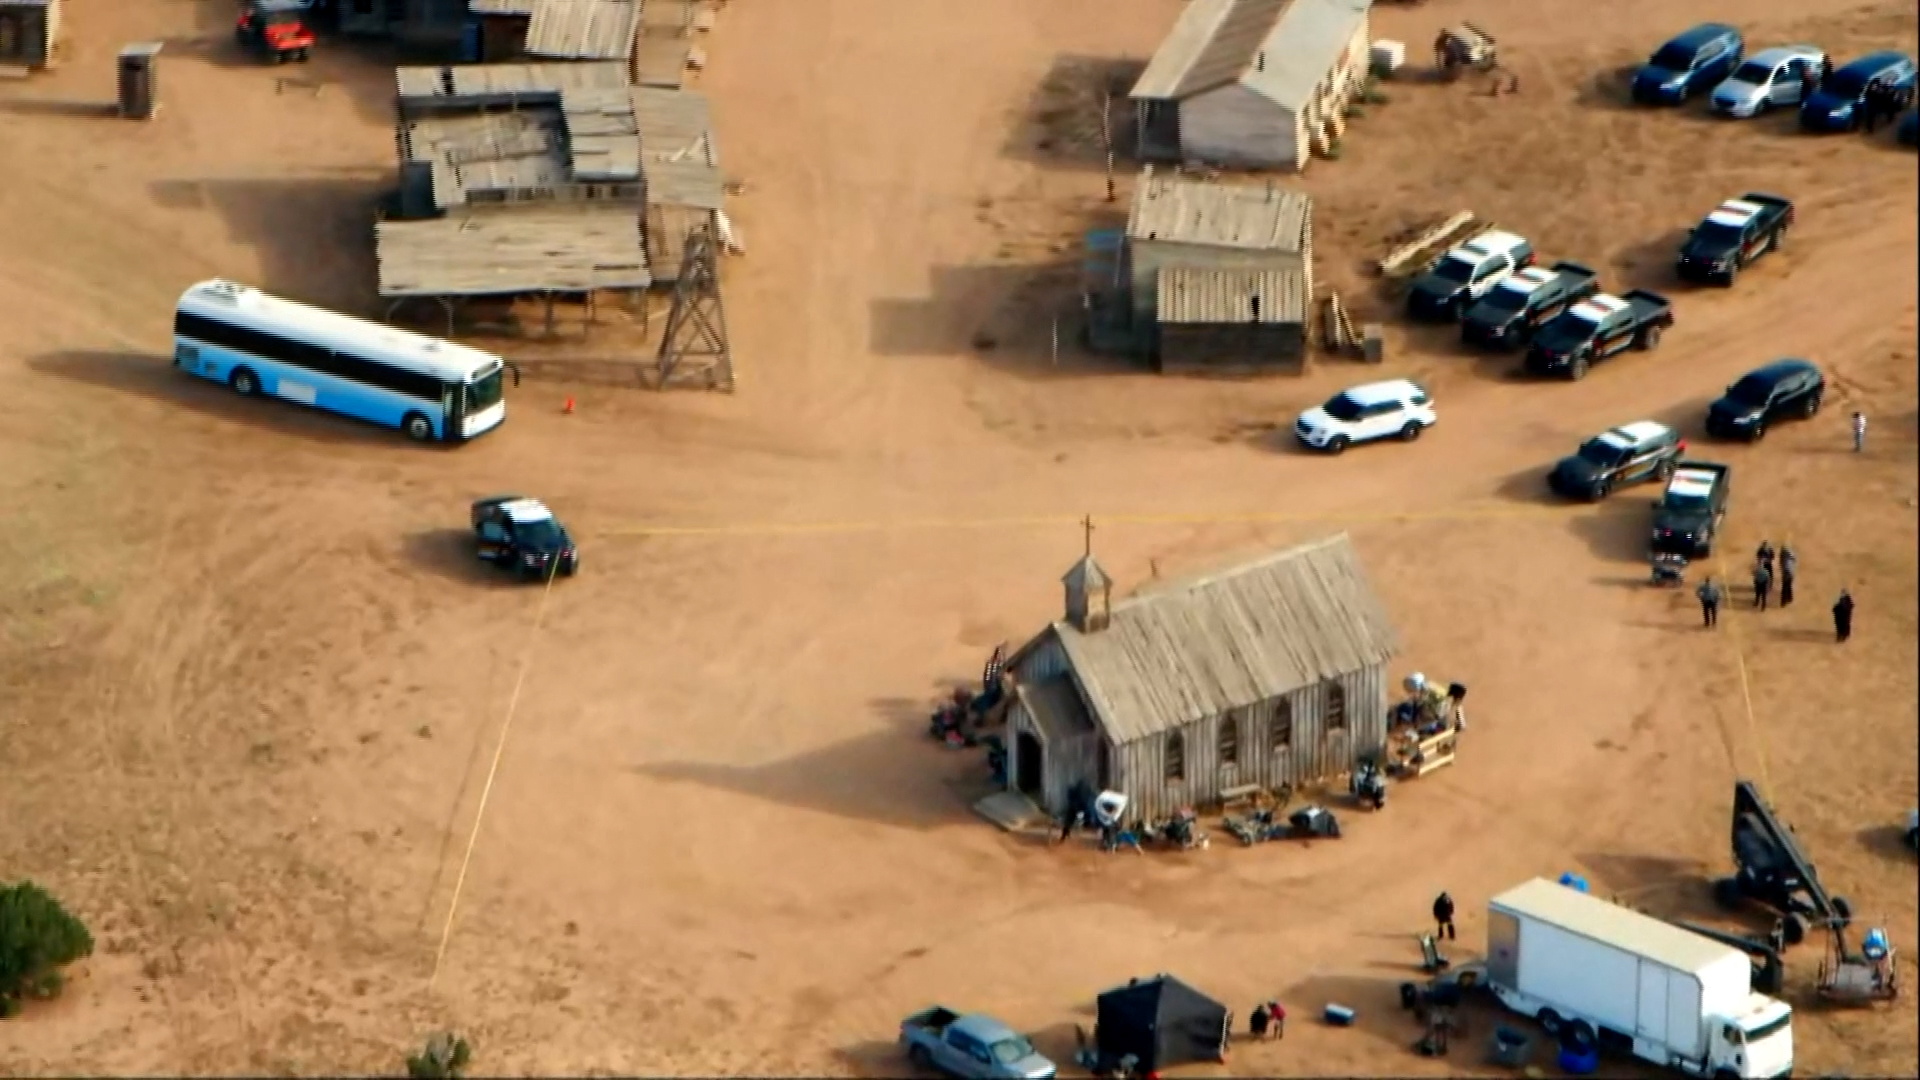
pixel 37 939
pixel 445 1057
pixel 1333 150
pixel 1355 110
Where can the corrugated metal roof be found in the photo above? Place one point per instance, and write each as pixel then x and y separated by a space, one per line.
pixel 1230 640
pixel 1277 49
pixel 1192 295
pixel 603 140
pixel 1589 916
pixel 584 29
pixel 469 152
pixel 1211 43
pixel 681 162
pixel 1260 217
pixel 1056 709
pixel 1304 46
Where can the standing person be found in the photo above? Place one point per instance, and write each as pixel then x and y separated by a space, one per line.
pixel 1789 566
pixel 1859 432
pixel 1278 1013
pixel 1872 102
pixel 1762 584
pixel 1826 70
pixel 1443 917
pixel 1843 617
pixel 1764 555
pixel 1257 1021
pixel 1709 594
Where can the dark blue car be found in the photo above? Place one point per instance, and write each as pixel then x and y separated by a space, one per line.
pixel 1696 61
pixel 1836 105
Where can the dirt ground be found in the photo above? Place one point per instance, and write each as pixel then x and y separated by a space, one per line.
pixel 253 687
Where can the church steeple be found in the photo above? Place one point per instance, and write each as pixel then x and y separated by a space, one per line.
pixel 1089 589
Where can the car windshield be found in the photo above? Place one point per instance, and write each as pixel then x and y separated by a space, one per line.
pixel 1455 269
pixel 1342 407
pixel 485 391
pixel 1846 85
pixel 1686 504
pixel 1602 452
pixel 1008 1051
pixel 1778 1023
pixel 1673 58
pixel 1713 232
pixel 1505 300
pixel 1752 390
pixel 541 534
pixel 1564 332
pixel 1756 74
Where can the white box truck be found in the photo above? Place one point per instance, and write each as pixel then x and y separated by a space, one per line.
pixel 1635 984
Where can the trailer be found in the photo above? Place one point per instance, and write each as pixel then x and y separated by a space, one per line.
pixel 1597 974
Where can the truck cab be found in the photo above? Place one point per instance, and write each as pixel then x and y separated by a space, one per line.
pixel 1756 1043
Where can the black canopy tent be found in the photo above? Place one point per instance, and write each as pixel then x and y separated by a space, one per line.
pixel 1161 1022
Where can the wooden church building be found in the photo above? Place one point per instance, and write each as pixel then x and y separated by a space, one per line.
pixel 1266 673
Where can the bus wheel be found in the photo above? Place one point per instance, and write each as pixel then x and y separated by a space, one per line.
pixel 244 382
pixel 417 427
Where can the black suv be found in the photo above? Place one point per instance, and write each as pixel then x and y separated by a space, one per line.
pixel 522 535
pixel 1784 389
pixel 1628 454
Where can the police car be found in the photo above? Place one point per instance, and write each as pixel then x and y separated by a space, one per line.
pixel 1393 409
pixel 1466 273
pixel 521 534
pixel 1628 454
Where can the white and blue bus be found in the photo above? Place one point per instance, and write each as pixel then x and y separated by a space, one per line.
pixel 260 344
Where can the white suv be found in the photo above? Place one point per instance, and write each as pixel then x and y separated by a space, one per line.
pixel 1396 408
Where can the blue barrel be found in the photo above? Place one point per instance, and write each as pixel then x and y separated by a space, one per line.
pixel 1573 881
pixel 1579 1062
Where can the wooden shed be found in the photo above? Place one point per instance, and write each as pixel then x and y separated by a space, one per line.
pixel 1178 222
pixel 1268 673
pixel 28 31
pixel 1215 320
pixel 1251 83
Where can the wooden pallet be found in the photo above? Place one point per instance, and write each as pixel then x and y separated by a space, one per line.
pixel 1415 758
pixel 1405 259
pixel 1337 332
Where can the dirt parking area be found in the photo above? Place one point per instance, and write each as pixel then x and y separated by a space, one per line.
pixel 252 688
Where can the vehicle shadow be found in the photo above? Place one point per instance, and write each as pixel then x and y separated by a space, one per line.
pixel 147 376
pixel 449 553
pixel 1662 887
pixel 1888 842
pixel 1611 88
pixel 907 780
pixel 1647 265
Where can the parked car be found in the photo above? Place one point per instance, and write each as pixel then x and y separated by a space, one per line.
pixel 1909 132
pixel 972 1047
pixel 1782 390
pixel 1395 408
pixel 1695 61
pixel 1769 79
pixel 1734 234
pixel 522 535
pixel 1837 104
pixel 1511 311
pixel 1467 273
pixel 1687 517
pixel 1596 328
pixel 1629 454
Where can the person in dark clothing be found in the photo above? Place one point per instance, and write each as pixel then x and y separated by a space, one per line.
pixel 1764 554
pixel 1443 918
pixel 1878 104
pixel 1826 70
pixel 1789 566
pixel 1762 584
pixel 1709 594
pixel 1843 617
pixel 1257 1021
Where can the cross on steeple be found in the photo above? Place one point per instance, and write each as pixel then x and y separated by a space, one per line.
pixel 1086 524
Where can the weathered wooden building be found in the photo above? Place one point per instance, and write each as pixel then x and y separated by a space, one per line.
pixel 1178 223
pixel 1268 673
pixel 1251 83
pixel 28 31
pixel 1215 320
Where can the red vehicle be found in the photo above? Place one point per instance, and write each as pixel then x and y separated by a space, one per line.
pixel 279 27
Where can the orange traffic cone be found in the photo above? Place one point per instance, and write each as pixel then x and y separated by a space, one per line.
pixel 568 407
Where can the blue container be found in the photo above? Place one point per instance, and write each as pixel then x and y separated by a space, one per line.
pixel 470 42
pixel 1579 1062
pixel 1573 881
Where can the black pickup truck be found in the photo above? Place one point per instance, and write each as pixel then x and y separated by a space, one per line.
pixel 1737 232
pixel 1596 328
pixel 1511 311
pixel 1688 515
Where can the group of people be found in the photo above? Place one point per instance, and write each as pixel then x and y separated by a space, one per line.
pixel 1772 567
pixel 1882 103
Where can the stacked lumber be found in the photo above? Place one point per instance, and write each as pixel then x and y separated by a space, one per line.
pixel 1337 330
pixel 1407 257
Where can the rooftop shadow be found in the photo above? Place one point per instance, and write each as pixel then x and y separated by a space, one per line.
pixel 904 778
pixel 1886 841
pixel 1662 887
pixel 1375 1000
pixel 152 377
pixel 313 235
pixel 1024 319
pixel 1062 121
pixel 75 108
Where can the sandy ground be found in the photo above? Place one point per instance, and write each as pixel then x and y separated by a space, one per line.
pixel 252 686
